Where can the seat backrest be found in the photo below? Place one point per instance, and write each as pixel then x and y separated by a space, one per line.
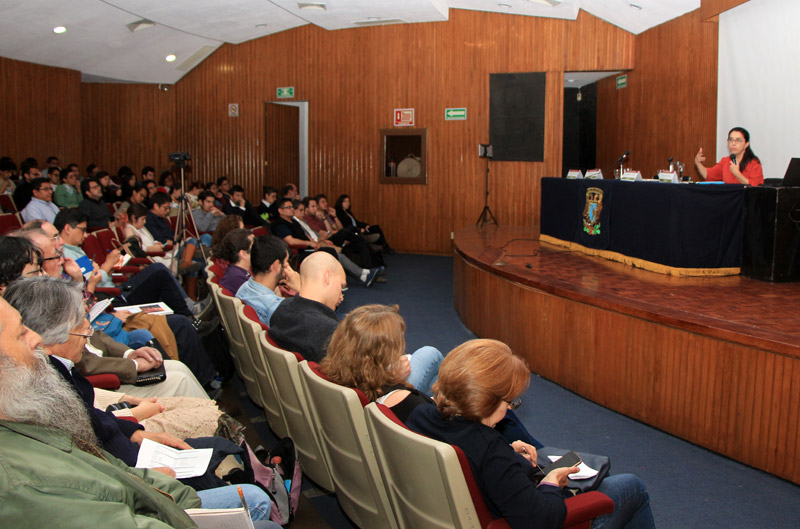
pixel 108 239
pixel 251 327
pixel 217 269
pixel 93 249
pixel 242 357
pixel 286 374
pixel 9 222
pixel 7 201
pixel 339 418
pixel 423 477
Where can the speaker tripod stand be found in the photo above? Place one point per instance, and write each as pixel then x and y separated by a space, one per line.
pixel 486 215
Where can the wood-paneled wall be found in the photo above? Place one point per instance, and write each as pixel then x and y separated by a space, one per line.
pixel 40 112
pixel 353 79
pixel 128 124
pixel 669 108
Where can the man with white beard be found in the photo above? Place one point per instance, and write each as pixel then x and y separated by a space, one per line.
pixel 52 473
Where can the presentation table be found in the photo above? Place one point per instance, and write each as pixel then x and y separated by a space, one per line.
pixel 683 226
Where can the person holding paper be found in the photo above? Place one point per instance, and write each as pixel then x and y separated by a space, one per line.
pixel 741 167
pixel 479 381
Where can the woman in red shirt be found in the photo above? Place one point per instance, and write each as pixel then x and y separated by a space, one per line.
pixel 741 167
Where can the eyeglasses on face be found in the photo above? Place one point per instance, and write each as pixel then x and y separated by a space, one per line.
pixel 514 404
pixel 735 140
pixel 87 334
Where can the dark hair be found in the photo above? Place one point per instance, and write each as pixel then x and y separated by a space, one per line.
pixel 101 174
pixel 285 189
pixel 7 164
pixel 86 183
pixel 162 178
pixel 159 198
pixel 148 169
pixel 282 201
pixel 15 253
pixel 226 224
pixel 268 189
pixel 73 167
pixel 89 168
pixel 196 184
pixel 237 189
pixel 71 216
pixel 339 202
pixel 321 195
pixel 297 202
pixel 307 201
pixel 138 186
pixel 266 250
pixel 204 195
pixel 137 210
pixel 748 152
pixel 26 166
pixel 234 241
pixel 51 158
pixel 221 179
pixel 36 183
pixel 124 172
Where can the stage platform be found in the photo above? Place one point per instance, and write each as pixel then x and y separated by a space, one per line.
pixel 715 361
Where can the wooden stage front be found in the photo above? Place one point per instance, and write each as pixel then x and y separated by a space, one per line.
pixel 715 361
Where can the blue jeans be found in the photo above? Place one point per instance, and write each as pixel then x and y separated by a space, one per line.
pixel 228 498
pixel 205 238
pixel 631 504
pixel 138 337
pixel 424 368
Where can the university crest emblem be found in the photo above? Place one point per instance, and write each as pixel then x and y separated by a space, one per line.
pixel 592 209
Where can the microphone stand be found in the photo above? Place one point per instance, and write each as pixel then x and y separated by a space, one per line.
pixel 486 215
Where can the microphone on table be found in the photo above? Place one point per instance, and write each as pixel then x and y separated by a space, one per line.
pixel 623 157
pixel 733 159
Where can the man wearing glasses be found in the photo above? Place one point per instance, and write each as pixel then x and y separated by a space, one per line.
pixel 41 205
pixel 93 205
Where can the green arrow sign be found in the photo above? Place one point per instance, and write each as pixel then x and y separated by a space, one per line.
pixel 285 92
pixel 455 114
pixel 622 81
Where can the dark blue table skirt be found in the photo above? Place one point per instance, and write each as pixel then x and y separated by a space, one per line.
pixel 677 225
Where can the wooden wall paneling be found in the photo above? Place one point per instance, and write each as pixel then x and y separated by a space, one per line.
pixel 669 106
pixel 40 112
pixel 736 400
pixel 128 124
pixel 712 8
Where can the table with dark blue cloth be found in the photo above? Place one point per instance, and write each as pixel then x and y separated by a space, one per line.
pixel 676 225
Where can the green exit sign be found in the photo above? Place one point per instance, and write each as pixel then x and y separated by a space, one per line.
pixel 455 114
pixel 285 92
pixel 622 81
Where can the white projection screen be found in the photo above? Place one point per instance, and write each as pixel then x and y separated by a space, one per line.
pixel 759 80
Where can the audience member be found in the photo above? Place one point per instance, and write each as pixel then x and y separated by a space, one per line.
pixel 372 233
pixel 92 170
pixel 269 262
pixel 238 205
pixel 41 204
pixel 54 175
pixel 148 173
pixel 7 170
pixel 136 229
pixel 52 163
pixel 93 205
pixel 235 249
pixel 23 192
pixel 478 382
pixel 268 209
pixel 67 194
pixel 226 224
pixel 18 258
pixel 206 217
pixel 111 191
pixel 355 243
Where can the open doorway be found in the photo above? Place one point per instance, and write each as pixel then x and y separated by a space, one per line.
pixel 286 144
pixel 579 147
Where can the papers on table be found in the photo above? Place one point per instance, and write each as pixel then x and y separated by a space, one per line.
pixel 221 518
pixel 185 463
pixel 584 470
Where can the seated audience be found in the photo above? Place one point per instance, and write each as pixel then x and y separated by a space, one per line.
pixel 127 180
pixel 23 192
pixel 224 188
pixel 148 173
pixel 18 258
pixel 268 209
pixel 269 262
pixel 7 172
pixel 52 165
pixel 136 229
pixel 48 438
pixel 111 191
pixel 372 233
pixel 41 204
pixel 227 224
pixel 165 181
pixel 367 351
pixel 235 249
pixel 238 205
pixel 349 239
pixel 93 206
pixel 206 217
pixel 478 382
pixel 54 175
pixel 67 194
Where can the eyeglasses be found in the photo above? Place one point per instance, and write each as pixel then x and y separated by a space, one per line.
pixel 287 207
pixel 87 335
pixel 36 272
pixel 59 255
pixel 735 140
pixel 514 404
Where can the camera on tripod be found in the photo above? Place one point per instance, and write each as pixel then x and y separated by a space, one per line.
pixel 179 158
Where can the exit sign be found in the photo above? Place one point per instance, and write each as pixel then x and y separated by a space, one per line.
pixel 285 92
pixel 622 81
pixel 455 114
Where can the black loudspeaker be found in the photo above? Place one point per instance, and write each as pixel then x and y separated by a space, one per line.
pixel 771 245
pixel 516 116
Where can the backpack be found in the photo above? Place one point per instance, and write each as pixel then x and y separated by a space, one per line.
pixel 280 476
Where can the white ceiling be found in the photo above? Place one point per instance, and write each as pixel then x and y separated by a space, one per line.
pixel 99 44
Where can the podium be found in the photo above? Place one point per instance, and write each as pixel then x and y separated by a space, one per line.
pixel 771 235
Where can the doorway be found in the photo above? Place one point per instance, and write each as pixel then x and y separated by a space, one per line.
pixel 286 144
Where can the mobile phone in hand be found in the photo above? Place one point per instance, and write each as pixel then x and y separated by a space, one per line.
pixel 570 459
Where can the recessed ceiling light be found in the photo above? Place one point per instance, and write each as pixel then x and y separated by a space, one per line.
pixel 507 6
pixel 373 18
pixel 570 80
pixel 635 6
pixel 59 29
pixel 170 58
pixel 261 25
pixel 312 6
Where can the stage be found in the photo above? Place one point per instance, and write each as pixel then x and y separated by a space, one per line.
pixel 715 361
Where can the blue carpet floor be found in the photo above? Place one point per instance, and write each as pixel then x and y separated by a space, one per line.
pixel 689 486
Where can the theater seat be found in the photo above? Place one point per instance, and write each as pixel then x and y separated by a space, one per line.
pixel 430 483
pixel 108 381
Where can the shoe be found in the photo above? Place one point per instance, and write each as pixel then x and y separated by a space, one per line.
pixel 204 328
pixel 191 268
pixel 201 308
pixel 372 275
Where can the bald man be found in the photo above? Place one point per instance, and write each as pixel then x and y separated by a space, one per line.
pixel 305 323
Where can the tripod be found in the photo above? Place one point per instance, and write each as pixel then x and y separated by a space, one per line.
pixel 486 215
pixel 181 227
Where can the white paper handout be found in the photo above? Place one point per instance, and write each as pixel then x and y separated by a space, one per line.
pixel 584 470
pixel 185 463
pixel 221 518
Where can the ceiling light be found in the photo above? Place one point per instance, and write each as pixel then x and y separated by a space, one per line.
pixel 551 3
pixel 59 30
pixel 635 6
pixel 507 6
pixel 570 80
pixel 170 58
pixel 261 25
pixel 312 6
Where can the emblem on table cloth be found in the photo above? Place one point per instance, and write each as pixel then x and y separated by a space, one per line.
pixel 592 209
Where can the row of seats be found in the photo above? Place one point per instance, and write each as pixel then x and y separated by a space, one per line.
pixel 383 474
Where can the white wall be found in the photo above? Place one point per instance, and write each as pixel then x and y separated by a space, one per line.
pixel 759 80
